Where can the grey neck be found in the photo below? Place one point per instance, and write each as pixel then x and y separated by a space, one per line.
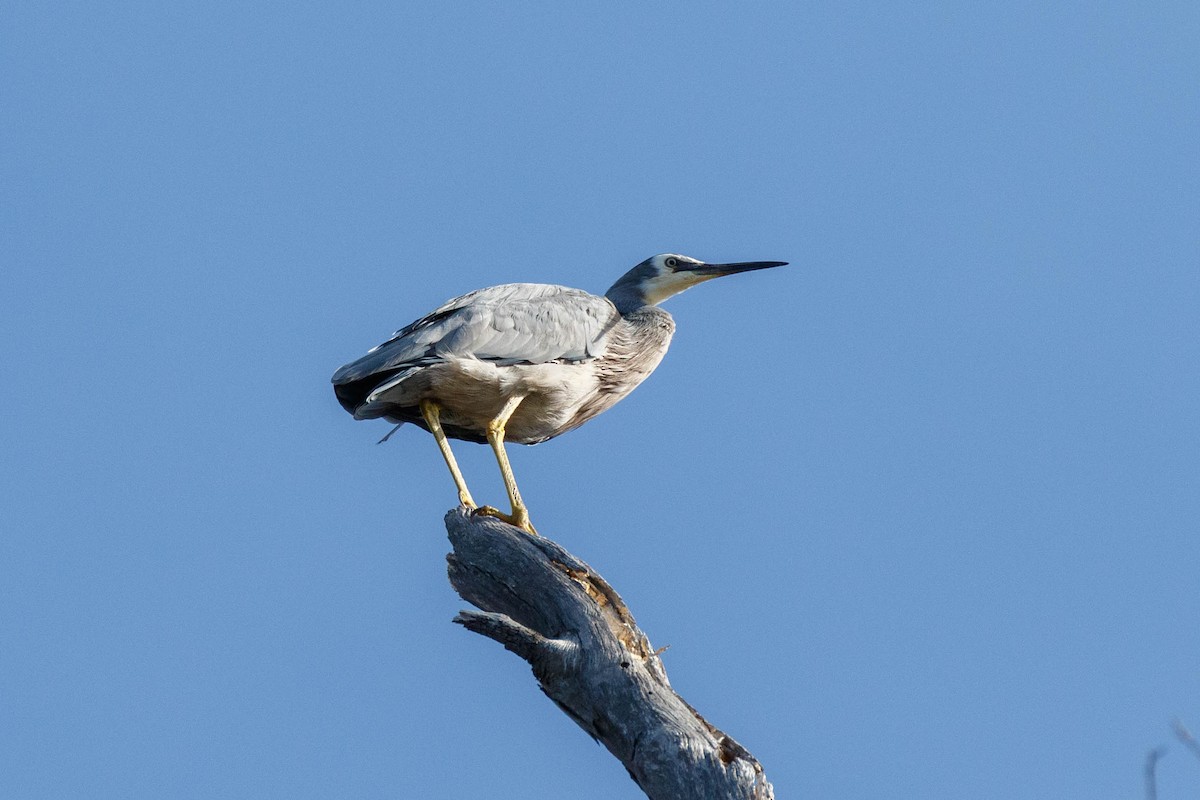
pixel 627 294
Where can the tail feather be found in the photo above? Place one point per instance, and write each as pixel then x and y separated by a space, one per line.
pixel 353 394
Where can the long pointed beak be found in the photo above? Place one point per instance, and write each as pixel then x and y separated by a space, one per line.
pixel 716 270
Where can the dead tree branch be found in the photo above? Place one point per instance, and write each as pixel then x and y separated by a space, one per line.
pixel 592 660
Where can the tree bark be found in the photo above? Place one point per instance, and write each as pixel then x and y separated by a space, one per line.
pixel 592 660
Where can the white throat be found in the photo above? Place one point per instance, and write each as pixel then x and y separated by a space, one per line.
pixel 668 284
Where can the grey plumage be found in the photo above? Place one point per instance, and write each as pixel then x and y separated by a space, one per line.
pixel 534 360
pixel 515 326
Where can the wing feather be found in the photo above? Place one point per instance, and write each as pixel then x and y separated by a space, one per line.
pixel 514 323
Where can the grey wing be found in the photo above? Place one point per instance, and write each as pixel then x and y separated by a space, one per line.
pixel 514 323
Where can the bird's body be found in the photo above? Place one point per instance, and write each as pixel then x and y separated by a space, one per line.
pixel 522 362
pixel 569 353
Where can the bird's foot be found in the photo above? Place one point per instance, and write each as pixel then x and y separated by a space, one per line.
pixel 519 518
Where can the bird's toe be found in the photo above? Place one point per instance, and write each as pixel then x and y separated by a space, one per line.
pixel 517 520
pixel 489 511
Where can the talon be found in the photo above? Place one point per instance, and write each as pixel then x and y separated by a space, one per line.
pixel 489 511
pixel 518 520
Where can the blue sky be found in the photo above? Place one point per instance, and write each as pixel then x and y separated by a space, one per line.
pixel 917 514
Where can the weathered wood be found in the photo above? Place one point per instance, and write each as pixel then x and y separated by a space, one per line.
pixel 592 660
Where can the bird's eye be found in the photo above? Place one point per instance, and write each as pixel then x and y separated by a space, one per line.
pixel 672 262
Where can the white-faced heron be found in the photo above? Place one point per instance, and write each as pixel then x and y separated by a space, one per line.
pixel 522 362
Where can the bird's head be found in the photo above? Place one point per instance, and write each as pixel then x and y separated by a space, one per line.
pixel 667 274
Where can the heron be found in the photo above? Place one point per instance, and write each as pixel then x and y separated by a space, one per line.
pixel 522 362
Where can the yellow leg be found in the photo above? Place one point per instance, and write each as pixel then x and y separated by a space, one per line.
pixel 495 436
pixel 432 414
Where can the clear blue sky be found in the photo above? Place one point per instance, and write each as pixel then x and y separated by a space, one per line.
pixel 917 514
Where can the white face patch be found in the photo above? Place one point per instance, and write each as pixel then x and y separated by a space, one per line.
pixel 668 282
